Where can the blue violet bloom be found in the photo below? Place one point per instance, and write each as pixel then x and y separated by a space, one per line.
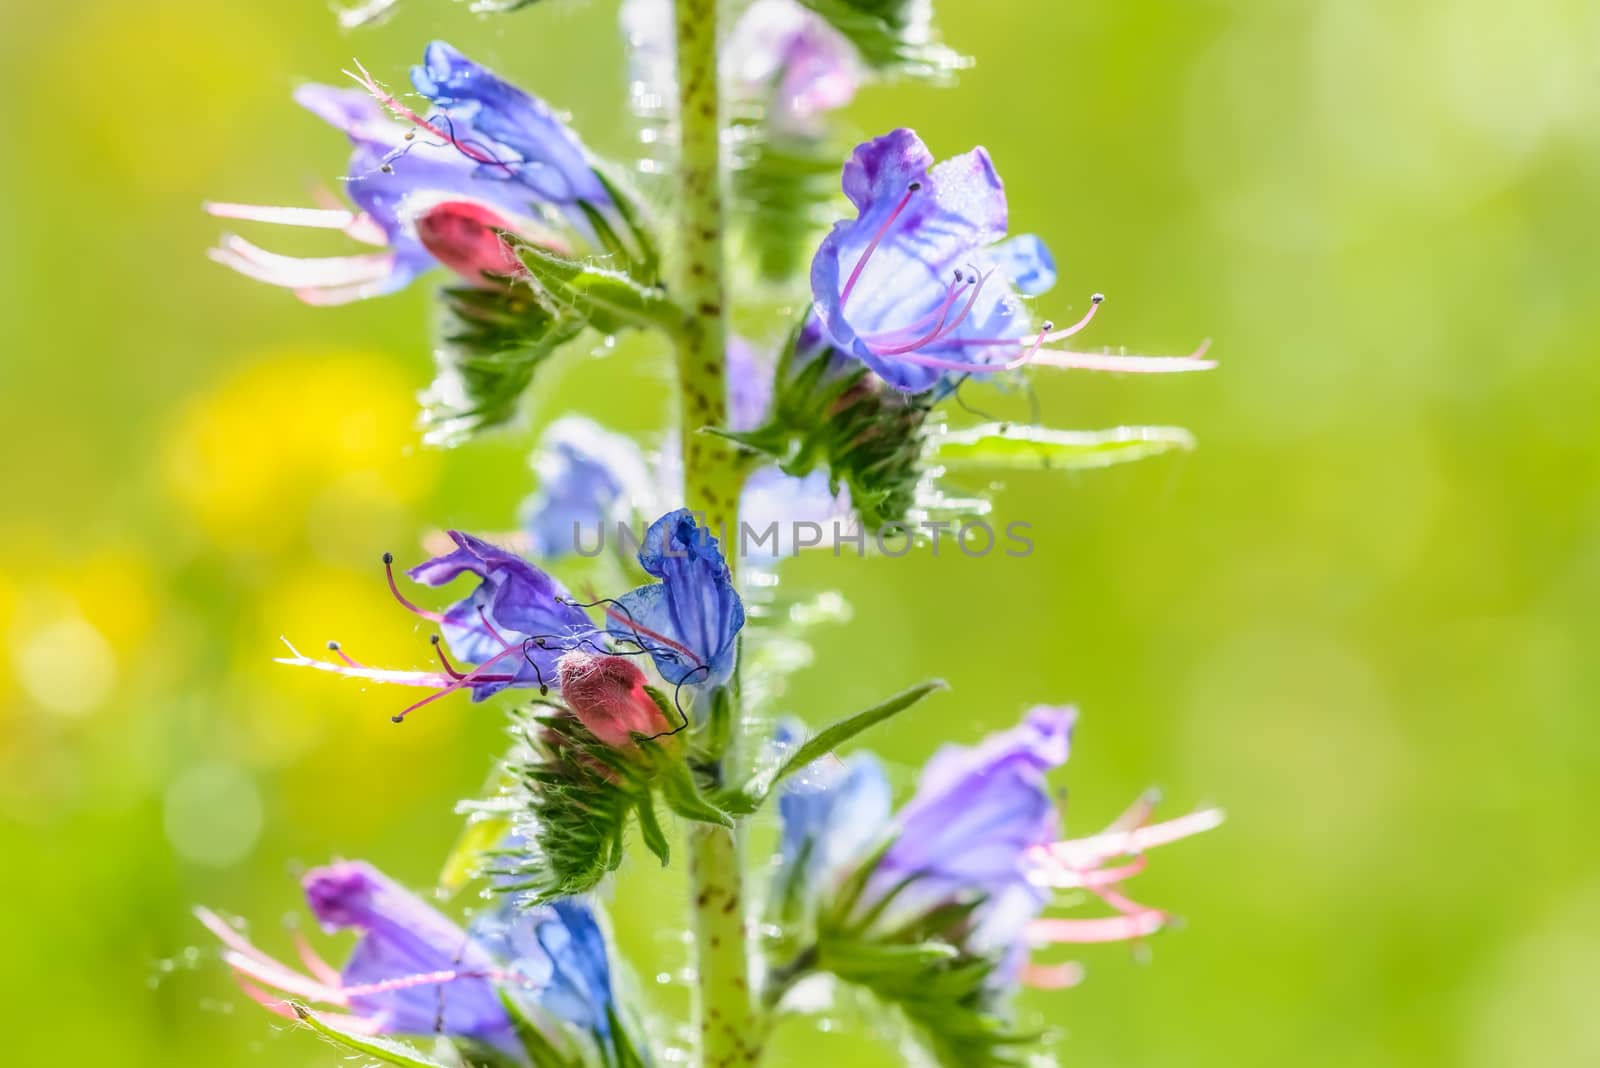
pixel 517 624
pixel 923 283
pixel 415 972
pixel 428 191
pixel 982 825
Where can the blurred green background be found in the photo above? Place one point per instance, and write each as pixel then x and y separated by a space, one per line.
pixel 1361 616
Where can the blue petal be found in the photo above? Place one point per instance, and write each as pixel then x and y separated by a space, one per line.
pixel 832 814
pixel 560 952
pixel 530 144
pixel 947 224
pixel 588 478
pixel 520 601
pixel 417 170
pixel 1027 261
pixel 402 936
pixel 694 606
pixel 976 813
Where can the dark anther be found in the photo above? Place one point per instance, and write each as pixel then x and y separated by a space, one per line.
pixel 388 558
pixel 914 186
pixel 333 647
pixel 1098 298
pixel 434 638
pixel 1048 326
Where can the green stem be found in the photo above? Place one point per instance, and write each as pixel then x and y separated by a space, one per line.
pixel 725 1015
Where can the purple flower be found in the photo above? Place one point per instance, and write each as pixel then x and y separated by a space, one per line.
pixel 509 135
pixel 833 813
pixel 518 622
pixel 780 56
pixel 784 52
pixel 426 191
pixel 690 620
pixel 982 829
pixel 923 282
pixel 589 478
pixel 415 972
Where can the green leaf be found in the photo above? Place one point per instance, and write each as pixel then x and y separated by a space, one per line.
pixel 605 299
pixel 385 1050
pixel 830 738
pixel 1000 445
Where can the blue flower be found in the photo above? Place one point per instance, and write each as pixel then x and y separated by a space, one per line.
pixel 420 203
pixel 517 614
pixel 982 830
pixel 413 971
pixel 562 944
pixel 833 814
pixel 518 622
pixel 919 284
pixel 511 136
pixel 689 620
pixel 589 479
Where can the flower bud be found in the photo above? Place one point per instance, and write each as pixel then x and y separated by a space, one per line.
pixel 462 235
pixel 608 695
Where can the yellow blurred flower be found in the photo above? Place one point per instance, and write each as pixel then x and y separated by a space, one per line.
pixel 293 433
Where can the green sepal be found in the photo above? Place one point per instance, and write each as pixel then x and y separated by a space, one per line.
pixel 492 340
pixel 889 34
pixel 650 830
pixel 781 187
pixel 681 794
pixel 383 1049
pixel 624 1053
pixel 1002 445
pixel 535 1039
pixel 645 256
pixel 605 299
pixel 829 411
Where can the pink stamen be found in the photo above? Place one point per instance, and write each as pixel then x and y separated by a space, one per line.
pixel 394 588
pixel 1084 853
pixel 449 668
pixel 390 101
pixel 1105 929
pixel 314 962
pixel 939 313
pixel 626 620
pixel 407 982
pixel 1052 976
pixel 273 1004
pixel 473 677
pixel 1118 900
pixel 1052 873
pixel 1096 361
pixel 923 360
pixel 336 648
pixel 229 936
pixel 1049 339
pixel 872 246
pixel 314 218
pixel 484 616
pixel 430 679
pixel 943 330
pixel 281 977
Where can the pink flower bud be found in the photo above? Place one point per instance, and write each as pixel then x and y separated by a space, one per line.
pixel 608 695
pixel 461 234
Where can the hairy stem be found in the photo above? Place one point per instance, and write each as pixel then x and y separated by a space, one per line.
pixel 725 1017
